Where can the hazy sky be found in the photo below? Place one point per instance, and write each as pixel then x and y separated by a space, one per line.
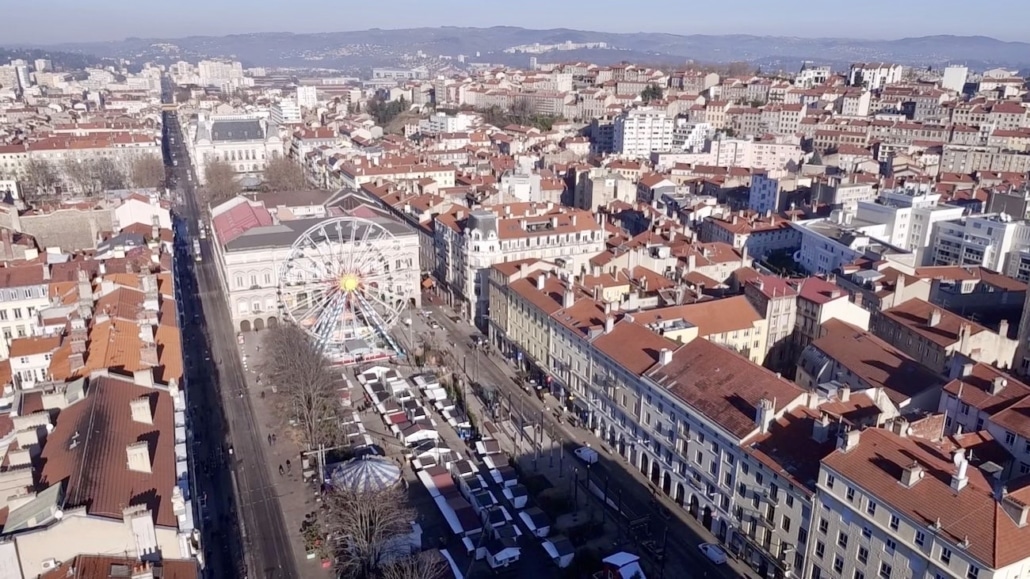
pixel 55 21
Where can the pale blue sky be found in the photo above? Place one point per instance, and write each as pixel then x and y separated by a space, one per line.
pixel 54 21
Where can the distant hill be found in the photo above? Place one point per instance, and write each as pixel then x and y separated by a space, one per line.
pixel 377 47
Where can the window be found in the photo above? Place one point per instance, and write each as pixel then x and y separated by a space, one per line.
pixel 785 524
pixel 838 564
pixel 1010 438
pixel 871 508
pixel 920 538
pixel 895 522
pixel 790 501
pixel 3 314
pixel 890 545
pixel 867 532
pixel 823 526
pixel 858 575
pixel 842 540
pixel 886 570
pixel 945 555
pixel 830 479
pixel 851 493
pixel 802 535
pixel 973 572
pixel 820 549
pixel 17 313
pixel 863 554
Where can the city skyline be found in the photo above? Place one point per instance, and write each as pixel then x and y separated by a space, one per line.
pixel 65 22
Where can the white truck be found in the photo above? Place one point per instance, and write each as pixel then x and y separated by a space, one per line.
pixel 196 250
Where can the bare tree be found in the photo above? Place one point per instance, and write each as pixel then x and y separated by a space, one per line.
pixel 41 180
pixel 91 176
pixel 147 172
pixel 79 173
pixel 365 527
pixel 108 174
pixel 282 174
pixel 302 375
pixel 220 181
pixel 423 565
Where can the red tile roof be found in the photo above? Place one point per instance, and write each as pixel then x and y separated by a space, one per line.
pixel 723 386
pixel 236 221
pixel 94 469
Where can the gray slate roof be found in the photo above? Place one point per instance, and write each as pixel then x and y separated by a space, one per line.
pixel 237 130
pixel 283 234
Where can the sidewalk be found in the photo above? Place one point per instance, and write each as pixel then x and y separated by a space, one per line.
pixel 296 498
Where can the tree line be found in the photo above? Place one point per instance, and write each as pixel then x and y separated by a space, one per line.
pixel 89 176
pixel 279 174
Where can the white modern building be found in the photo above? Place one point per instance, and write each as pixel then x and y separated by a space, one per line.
pixel 954 78
pixel 907 217
pixel 246 142
pixel 307 97
pixel 993 241
pixel 284 112
pixel 875 75
pixel 24 290
pixel 219 73
pixel 444 123
pixel 827 244
pixel 640 132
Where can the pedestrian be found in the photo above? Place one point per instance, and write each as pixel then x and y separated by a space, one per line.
pixel 281 470
pixel 269 439
pixel 289 467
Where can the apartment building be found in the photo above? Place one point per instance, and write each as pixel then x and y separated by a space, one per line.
pixel 732 322
pixel 661 405
pixel 877 286
pixel 775 298
pixel 640 132
pixel 875 76
pixel 819 301
pixel 846 359
pixel 759 234
pixel 827 245
pixel 908 216
pixel 993 241
pixel 933 336
pixel 894 505
pixel 24 290
pixel 469 243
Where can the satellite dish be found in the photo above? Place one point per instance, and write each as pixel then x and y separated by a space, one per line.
pixel 58 514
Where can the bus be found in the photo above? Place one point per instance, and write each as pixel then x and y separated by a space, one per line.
pixel 196 250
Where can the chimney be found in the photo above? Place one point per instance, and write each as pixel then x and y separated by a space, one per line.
pixel 844 393
pixel 821 429
pixel 764 414
pixel 665 357
pixel 997 385
pixel 959 480
pixel 691 262
pixel 912 474
pixel 138 454
pixel 1003 328
pixel 540 281
pixel 141 410
pixel 935 318
pixel 569 299
pixel 967 369
pixel 144 377
pixel 609 324
pixel 847 440
pixel 143 570
pixel 8 245
pixel 76 362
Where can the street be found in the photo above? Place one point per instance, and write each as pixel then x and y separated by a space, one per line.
pixel 243 519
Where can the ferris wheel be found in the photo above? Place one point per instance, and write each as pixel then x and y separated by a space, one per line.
pixel 346 283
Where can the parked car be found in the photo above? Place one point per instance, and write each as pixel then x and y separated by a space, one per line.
pixel 714 553
pixel 586 454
